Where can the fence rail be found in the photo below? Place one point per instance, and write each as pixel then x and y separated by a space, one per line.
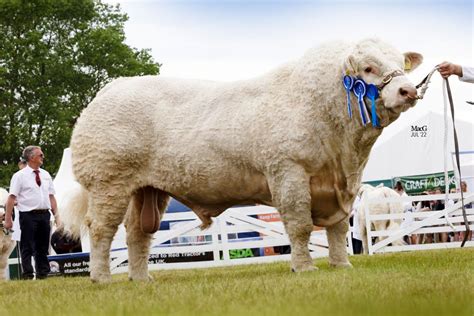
pixel 216 246
pixel 222 239
pixel 443 221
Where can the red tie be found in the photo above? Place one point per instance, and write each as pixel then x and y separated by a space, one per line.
pixel 38 180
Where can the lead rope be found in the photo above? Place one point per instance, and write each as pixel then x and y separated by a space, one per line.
pixel 456 148
pixel 423 85
pixel 445 148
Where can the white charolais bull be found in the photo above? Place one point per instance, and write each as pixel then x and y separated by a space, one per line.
pixel 369 193
pixel 7 244
pixel 283 139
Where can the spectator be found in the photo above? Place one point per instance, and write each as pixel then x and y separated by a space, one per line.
pixel 399 188
pixel 16 216
pixel 438 205
pixel 354 223
pixel 32 188
pixel 453 235
pixel 463 233
pixel 21 163
pixel 425 206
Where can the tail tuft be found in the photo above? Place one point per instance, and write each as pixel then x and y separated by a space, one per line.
pixel 73 210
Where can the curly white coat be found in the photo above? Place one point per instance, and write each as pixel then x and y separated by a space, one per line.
pixel 282 139
pixel 368 193
pixel 7 244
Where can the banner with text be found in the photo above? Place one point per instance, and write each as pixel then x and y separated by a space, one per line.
pixel 426 182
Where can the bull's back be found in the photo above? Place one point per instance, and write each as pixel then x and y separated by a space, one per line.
pixel 148 125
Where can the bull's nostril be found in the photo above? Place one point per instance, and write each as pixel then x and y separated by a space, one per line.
pixel 403 92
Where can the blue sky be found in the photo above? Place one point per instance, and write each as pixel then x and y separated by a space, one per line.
pixel 234 40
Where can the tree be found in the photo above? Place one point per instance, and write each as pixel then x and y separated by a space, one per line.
pixel 54 57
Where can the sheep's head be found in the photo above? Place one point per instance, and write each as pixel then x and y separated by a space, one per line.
pixel 380 64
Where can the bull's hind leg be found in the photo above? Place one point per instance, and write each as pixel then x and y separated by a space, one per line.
pixel 138 241
pixel 291 195
pixel 106 212
pixel 336 234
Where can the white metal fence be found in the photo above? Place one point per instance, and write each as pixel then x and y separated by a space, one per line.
pixel 220 241
pixel 449 220
pixel 185 245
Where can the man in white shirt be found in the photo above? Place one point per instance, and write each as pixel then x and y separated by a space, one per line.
pixel 33 189
pixel 464 73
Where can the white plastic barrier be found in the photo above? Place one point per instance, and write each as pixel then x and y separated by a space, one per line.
pixel 219 240
pixel 445 221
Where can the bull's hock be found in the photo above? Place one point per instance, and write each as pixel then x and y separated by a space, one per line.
pixel 283 139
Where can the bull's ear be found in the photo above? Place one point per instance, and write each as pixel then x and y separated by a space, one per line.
pixel 350 65
pixel 412 60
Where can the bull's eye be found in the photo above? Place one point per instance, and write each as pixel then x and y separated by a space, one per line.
pixel 368 69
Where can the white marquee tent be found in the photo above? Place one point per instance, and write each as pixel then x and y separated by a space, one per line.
pixel 413 145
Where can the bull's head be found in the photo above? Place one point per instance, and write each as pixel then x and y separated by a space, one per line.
pixel 380 64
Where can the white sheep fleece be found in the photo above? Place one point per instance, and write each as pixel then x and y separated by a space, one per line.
pixel 7 244
pixel 367 193
pixel 282 139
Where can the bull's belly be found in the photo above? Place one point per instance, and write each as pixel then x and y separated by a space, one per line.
pixel 207 187
pixel 213 193
pixel 325 208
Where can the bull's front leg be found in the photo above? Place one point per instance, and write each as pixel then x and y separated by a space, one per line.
pixel 291 195
pixel 336 234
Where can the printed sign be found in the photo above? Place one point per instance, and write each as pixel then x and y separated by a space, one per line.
pixel 427 182
pixel 73 264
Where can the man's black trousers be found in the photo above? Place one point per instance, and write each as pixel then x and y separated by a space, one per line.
pixel 35 231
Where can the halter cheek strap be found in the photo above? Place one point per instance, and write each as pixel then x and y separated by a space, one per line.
pixel 386 80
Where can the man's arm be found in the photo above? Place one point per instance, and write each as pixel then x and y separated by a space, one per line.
pixel 9 211
pixel 467 74
pixel 447 69
pixel 54 210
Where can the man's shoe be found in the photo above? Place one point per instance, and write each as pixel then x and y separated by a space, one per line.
pixel 27 277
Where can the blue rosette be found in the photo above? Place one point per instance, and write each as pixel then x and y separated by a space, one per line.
pixel 360 90
pixel 373 94
pixel 348 83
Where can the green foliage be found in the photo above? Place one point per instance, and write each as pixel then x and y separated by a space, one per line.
pixel 54 57
pixel 416 283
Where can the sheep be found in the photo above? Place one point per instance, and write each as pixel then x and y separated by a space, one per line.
pixel 283 139
pixel 7 244
pixel 368 193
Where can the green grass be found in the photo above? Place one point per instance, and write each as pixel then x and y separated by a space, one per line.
pixel 416 283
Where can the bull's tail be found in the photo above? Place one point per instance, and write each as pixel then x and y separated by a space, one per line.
pixel 73 211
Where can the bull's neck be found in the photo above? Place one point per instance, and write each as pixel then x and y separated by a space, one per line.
pixel 356 140
pixel 357 143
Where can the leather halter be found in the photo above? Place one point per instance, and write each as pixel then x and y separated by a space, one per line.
pixel 386 80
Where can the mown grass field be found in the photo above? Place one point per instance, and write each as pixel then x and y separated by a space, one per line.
pixel 416 283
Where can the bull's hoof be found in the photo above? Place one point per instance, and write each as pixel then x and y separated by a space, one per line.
pixel 147 278
pixel 341 265
pixel 304 268
pixel 101 278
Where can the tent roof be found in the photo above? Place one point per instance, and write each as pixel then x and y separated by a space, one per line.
pixel 402 151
